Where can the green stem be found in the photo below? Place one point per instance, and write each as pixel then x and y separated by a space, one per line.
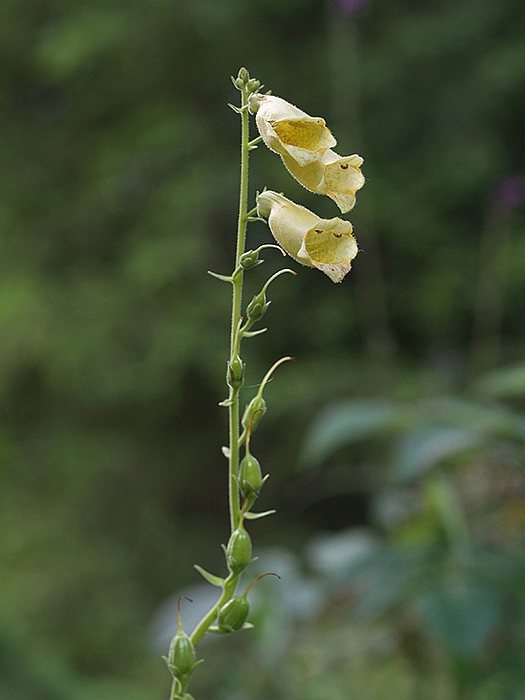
pixel 230 584
pixel 229 589
pixel 236 314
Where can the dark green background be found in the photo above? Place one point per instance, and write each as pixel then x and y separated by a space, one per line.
pixel 118 190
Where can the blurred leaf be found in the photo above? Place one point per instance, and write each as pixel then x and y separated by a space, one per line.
pixel 331 553
pixel 424 448
pixel 388 577
pixel 503 383
pixel 462 615
pixel 349 422
pixel 489 419
pixel 84 34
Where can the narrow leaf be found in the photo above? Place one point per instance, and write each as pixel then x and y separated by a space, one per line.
pixel 223 278
pixel 214 580
pixel 251 334
pixel 256 516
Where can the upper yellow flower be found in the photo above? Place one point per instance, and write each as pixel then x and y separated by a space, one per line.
pixel 327 244
pixel 336 176
pixel 304 144
pixel 287 130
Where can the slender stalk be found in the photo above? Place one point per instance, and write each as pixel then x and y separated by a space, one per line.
pixel 233 461
pixel 230 583
pixel 229 589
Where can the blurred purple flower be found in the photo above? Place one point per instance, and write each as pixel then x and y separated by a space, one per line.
pixel 349 6
pixel 511 189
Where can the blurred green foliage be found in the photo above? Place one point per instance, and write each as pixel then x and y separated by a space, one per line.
pixel 445 568
pixel 118 189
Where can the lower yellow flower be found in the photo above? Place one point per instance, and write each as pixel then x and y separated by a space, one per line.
pixel 336 176
pixel 327 244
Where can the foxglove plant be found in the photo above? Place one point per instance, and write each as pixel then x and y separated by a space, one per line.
pixel 304 144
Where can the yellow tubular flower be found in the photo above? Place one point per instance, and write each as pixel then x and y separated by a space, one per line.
pixel 336 176
pixel 287 130
pixel 327 244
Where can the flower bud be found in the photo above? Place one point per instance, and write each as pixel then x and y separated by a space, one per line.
pixel 253 103
pixel 242 77
pixel 253 85
pixel 239 550
pixel 257 307
pixel 235 374
pixel 232 616
pixel 181 657
pixel 253 412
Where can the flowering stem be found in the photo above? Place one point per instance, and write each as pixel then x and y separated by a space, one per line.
pixel 236 314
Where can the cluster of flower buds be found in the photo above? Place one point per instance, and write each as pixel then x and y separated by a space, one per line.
pixel 244 82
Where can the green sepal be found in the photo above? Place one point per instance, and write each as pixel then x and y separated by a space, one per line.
pixel 214 580
pixel 256 516
pixel 215 630
pixel 223 278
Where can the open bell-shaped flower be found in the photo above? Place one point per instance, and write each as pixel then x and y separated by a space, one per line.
pixel 336 176
pixel 287 130
pixel 327 244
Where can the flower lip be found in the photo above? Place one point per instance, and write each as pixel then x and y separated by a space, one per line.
pixel 338 177
pixel 286 129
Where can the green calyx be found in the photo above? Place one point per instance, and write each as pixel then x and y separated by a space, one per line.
pixel 181 657
pixel 235 373
pixel 250 478
pixel 232 616
pixel 250 259
pixel 250 475
pixel 239 550
pixel 253 412
pixel 257 307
